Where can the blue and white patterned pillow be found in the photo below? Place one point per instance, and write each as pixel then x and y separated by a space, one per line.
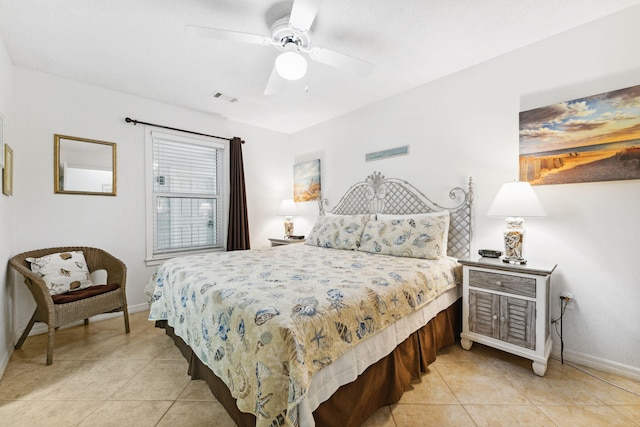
pixel 338 231
pixel 415 236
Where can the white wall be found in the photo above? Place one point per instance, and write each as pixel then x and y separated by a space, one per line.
pixel 6 207
pixel 45 105
pixel 467 125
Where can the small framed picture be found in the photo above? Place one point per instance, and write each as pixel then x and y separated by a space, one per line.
pixel 7 175
pixel 1 141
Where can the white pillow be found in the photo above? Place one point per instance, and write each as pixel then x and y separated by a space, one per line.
pixel 62 272
pixel 445 214
pixel 338 231
pixel 98 277
pixel 414 236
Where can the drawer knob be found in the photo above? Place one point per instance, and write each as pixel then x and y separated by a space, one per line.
pixel 499 283
pixel 495 317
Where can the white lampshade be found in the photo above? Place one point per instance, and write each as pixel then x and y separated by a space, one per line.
pixel 291 65
pixel 516 199
pixel 287 208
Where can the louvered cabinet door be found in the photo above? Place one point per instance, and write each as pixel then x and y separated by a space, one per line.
pixel 483 313
pixel 517 322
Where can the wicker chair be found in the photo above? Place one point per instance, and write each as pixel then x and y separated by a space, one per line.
pixel 56 315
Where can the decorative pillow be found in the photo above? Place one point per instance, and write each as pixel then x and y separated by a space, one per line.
pixel 62 272
pixel 338 231
pixel 445 214
pixel 98 277
pixel 414 236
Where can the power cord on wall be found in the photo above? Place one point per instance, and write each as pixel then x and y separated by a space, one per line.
pixel 564 301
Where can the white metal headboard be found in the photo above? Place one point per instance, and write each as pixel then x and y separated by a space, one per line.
pixel 377 194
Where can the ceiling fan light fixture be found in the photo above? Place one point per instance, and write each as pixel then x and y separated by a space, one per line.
pixel 291 65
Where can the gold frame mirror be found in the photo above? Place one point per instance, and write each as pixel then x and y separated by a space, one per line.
pixel 84 166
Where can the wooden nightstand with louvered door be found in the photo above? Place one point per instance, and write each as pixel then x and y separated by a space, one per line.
pixel 506 306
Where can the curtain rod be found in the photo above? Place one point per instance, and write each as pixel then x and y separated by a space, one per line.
pixel 135 122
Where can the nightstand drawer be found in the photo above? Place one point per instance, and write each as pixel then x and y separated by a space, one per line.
pixel 516 285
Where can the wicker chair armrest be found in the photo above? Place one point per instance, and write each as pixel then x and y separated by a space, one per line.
pixel 18 263
pixel 98 259
pixel 34 281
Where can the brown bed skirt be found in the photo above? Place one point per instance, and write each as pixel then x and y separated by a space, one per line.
pixel 382 384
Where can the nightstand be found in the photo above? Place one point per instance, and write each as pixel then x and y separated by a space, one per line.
pixel 506 306
pixel 284 241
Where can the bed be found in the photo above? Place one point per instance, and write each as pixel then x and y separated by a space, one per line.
pixel 326 332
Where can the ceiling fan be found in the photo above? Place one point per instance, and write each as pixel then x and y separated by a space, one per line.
pixel 290 35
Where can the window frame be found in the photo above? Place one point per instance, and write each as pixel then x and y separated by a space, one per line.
pixel 153 258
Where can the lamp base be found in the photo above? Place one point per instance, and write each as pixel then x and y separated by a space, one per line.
pixel 288 228
pixel 513 237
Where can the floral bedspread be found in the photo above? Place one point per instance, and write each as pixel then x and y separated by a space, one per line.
pixel 266 320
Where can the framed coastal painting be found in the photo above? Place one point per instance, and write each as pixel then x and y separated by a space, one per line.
pixel 590 139
pixel 306 181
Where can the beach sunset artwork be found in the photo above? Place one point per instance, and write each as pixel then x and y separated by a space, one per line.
pixel 306 181
pixel 590 139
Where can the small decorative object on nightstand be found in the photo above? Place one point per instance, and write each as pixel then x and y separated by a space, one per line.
pixel 506 306
pixel 288 210
pixel 286 240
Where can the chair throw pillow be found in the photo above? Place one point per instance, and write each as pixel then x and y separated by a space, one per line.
pixel 62 272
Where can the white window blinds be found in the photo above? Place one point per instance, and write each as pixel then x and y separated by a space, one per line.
pixel 187 183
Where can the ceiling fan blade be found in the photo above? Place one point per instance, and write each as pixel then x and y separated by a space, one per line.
pixel 274 84
pixel 303 13
pixel 342 61
pixel 234 36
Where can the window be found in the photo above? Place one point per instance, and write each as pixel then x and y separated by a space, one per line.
pixel 186 186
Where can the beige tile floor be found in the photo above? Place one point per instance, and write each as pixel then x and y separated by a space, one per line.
pixel 103 377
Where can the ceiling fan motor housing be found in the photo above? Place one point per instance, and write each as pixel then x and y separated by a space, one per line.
pixel 287 38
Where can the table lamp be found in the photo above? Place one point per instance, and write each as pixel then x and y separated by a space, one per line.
pixel 288 210
pixel 515 200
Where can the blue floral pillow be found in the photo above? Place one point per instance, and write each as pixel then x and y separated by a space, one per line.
pixel 338 231
pixel 415 236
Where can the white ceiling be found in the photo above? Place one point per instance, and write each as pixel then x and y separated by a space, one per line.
pixel 140 47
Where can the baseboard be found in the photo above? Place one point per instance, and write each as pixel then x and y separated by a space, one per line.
pixel 41 328
pixel 5 360
pixel 600 364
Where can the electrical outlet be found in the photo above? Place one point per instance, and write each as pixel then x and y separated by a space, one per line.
pixel 572 299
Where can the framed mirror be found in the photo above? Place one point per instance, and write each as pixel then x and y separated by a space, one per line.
pixel 84 166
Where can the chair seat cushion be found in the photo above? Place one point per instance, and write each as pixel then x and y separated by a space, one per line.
pixel 91 291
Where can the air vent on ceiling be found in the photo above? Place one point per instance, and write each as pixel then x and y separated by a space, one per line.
pixel 221 96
